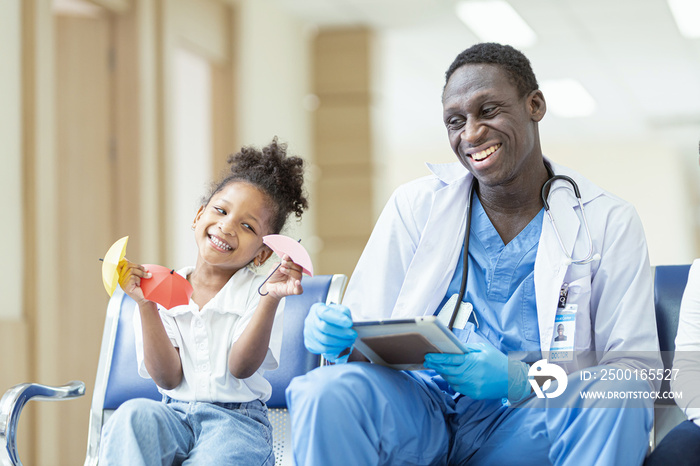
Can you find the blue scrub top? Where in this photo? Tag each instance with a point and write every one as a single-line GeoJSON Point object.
{"type": "Point", "coordinates": [500, 286]}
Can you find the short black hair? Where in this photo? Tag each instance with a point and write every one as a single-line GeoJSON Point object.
{"type": "Point", "coordinates": [513, 62]}
{"type": "Point", "coordinates": [275, 174]}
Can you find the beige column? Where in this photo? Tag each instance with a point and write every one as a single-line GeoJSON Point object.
{"type": "Point", "coordinates": [342, 140]}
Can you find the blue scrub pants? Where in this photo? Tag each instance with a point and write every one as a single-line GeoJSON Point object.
{"type": "Point", "coordinates": [361, 413]}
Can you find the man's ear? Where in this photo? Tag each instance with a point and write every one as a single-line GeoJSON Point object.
{"type": "Point", "coordinates": [262, 256]}
{"type": "Point", "coordinates": [536, 105]}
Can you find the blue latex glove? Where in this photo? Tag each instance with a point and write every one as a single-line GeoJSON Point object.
{"type": "Point", "coordinates": [482, 373]}
{"type": "Point", "coordinates": [328, 331]}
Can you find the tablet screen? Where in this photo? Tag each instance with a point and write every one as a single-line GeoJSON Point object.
{"type": "Point", "coordinates": [401, 348]}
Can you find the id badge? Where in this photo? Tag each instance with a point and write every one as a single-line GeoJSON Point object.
{"type": "Point", "coordinates": [562, 347]}
{"type": "Point", "coordinates": [463, 313]}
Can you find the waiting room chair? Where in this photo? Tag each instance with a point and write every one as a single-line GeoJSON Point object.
{"type": "Point", "coordinates": [117, 377]}
{"type": "Point", "coordinates": [669, 284]}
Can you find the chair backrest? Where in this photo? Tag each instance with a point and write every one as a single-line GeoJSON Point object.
{"type": "Point", "coordinates": [118, 380]}
{"type": "Point", "coordinates": [295, 359]}
{"type": "Point", "coordinates": [669, 284]}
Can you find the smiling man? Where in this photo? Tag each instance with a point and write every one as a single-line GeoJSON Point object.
{"type": "Point", "coordinates": [485, 215]}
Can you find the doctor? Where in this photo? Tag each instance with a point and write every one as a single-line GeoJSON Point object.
{"type": "Point", "coordinates": [478, 408]}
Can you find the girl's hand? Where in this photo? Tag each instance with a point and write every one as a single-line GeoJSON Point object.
{"type": "Point", "coordinates": [285, 281]}
{"type": "Point", "coordinates": [130, 276]}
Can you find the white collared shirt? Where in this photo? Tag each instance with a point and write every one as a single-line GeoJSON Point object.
{"type": "Point", "coordinates": [686, 360]}
{"type": "Point", "coordinates": [204, 338]}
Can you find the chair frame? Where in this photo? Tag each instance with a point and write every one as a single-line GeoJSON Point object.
{"type": "Point", "coordinates": [104, 365]}
{"type": "Point", "coordinates": [11, 406]}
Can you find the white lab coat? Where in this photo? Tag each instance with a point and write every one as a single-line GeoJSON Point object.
{"type": "Point", "coordinates": [412, 253]}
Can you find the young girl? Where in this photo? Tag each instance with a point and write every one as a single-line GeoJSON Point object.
{"type": "Point", "coordinates": [208, 357]}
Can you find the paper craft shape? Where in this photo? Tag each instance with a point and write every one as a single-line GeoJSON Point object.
{"type": "Point", "coordinates": [116, 253]}
{"type": "Point", "coordinates": [282, 245]}
{"type": "Point", "coordinates": [166, 287]}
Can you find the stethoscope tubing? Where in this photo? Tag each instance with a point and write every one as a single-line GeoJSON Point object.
{"type": "Point", "coordinates": [465, 260]}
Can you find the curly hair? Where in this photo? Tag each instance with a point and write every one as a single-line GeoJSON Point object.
{"type": "Point", "coordinates": [513, 62]}
{"type": "Point", "coordinates": [280, 177]}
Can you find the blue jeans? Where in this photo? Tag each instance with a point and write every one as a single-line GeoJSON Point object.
{"type": "Point", "coordinates": [146, 432]}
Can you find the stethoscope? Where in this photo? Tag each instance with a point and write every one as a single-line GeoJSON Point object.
{"type": "Point", "coordinates": [544, 193]}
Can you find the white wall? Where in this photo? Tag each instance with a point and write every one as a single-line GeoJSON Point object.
{"type": "Point", "coordinates": [407, 120]}
{"type": "Point", "coordinates": [192, 162]}
{"type": "Point", "coordinates": [275, 49]}
{"type": "Point", "coordinates": [651, 175]}
{"type": "Point", "coordinates": [11, 237]}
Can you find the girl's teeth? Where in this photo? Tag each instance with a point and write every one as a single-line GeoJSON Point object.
{"type": "Point", "coordinates": [220, 244]}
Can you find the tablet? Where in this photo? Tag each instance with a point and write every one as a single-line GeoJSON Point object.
{"type": "Point", "coordinates": [403, 343]}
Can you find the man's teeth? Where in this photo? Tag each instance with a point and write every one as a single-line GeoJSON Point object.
{"type": "Point", "coordinates": [485, 153]}
{"type": "Point", "coordinates": [220, 244]}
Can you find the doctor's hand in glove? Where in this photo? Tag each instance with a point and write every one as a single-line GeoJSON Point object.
{"type": "Point", "coordinates": [328, 331]}
{"type": "Point", "coordinates": [481, 373]}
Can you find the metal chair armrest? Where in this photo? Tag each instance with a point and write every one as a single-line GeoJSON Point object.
{"type": "Point", "coordinates": [11, 406]}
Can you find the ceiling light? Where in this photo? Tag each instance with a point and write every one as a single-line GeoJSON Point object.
{"type": "Point", "coordinates": [567, 98]}
{"type": "Point", "coordinates": [496, 21]}
{"type": "Point", "coordinates": [686, 14]}
{"type": "Point", "coordinates": [80, 8]}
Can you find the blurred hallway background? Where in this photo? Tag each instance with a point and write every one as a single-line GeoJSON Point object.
{"type": "Point", "coordinates": [116, 114]}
